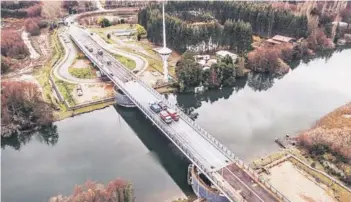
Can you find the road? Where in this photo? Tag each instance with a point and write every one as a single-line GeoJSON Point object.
{"type": "Point", "coordinates": [141, 63]}
{"type": "Point", "coordinates": [61, 70]}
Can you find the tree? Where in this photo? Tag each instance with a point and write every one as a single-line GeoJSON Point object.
{"type": "Point", "coordinates": [31, 26]}
{"type": "Point", "coordinates": [22, 107]}
{"type": "Point", "coordinates": [116, 191]}
{"type": "Point", "coordinates": [12, 44]}
{"type": "Point", "coordinates": [103, 22]}
{"type": "Point", "coordinates": [140, 31]}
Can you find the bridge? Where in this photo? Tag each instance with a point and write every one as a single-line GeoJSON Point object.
{"type": "Point", "coordinates": [229, 174]}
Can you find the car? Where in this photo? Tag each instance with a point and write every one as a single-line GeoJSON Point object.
{"type": "Point", "coordinates": [166, 117]}
{"type": "Point", "coordinates": [108, 62]}
{"type": "Point", "coordinates": [162, 105]}
{"type": "Point", "coordinates": [79, 92]}
{"type": "Point", "coordinates": [91, 33]}
{"type": "Point", "coordinates": [173, 114]}
{"type": "Point", "coordinates": [155, 108]}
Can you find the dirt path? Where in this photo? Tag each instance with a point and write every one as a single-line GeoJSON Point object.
{"type": "Point", "coordinates": [33, 54]}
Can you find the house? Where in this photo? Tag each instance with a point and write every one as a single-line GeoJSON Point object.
{"type": "Point", "coordinates": [202, 57]}
{"type": "Point", "coordinates": [222, 54]}
{"type": "Point", "coordinates": [279, 39]}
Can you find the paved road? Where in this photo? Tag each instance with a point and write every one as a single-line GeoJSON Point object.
{"type": "Point", "coordinates": [141, 63]}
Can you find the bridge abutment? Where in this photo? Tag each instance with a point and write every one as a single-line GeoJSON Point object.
{"type": "Point", "coordinates": [122, 99]}
{"type": "Point", "coordinates": [202, 187]}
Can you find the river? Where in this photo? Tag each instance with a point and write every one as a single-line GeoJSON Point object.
{"type": "Point", "coordinates": [120, 143]}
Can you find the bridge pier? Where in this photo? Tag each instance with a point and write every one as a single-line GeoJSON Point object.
{"type": "Point", "coordinates": [202, 187]}
{"type": "Point", "coordinates": [122, 99]}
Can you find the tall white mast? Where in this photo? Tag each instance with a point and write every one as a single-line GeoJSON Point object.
{"type": "Point", "coordinates": [164, 51]}
{"type": "Point", "coordinates": [164, 24]}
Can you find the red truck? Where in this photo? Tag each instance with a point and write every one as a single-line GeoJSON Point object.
{"type": "Point", "coordinates": [166, 117]}
{"type": "Point", "coordinates": [173, 114]}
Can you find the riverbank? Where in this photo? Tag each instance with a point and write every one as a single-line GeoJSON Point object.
{"type": "Point", "coordinates": [321, 155]}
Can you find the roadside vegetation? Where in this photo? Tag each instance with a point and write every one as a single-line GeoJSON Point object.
{"type": "Point", "coordinates": [115, 191]}
{"type": "Point", "coordinates": [83, 73]}
{"type": "Point", "coordinates": [66, 90]}
{"type": "Point", "coordinates": [129, 63]}
{"type": "Point", "coordinates": [43, 74]}
{"type": "Point", "coordinates": [329, 142]}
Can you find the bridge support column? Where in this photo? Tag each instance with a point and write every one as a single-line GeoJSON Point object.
{"type": "Point", "coordinates": [202, 186]}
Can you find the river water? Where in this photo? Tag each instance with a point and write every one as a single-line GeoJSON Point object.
{"type": "Point", "coordinates": [120, 143]}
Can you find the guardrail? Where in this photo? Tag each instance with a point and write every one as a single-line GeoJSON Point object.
{"type": "Point", "coordinates": [187, 119]}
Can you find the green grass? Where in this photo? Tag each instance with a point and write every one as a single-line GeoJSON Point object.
{"type": "Point", "coordinates": [42, 74]}
{"type": "Point", "coordinates": [82, 73]}
{"type": "Point", "coordinates": [130, 64]}
{"type": "Point", "coordinates": [65, 114]}
{"type": "Point", "coordinates": [66, 90]}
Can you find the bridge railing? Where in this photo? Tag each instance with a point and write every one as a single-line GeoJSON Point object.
{"type": "Point", "coordinates": [177, 140]}
{"type": "Point", "coordinates": [199, 129]}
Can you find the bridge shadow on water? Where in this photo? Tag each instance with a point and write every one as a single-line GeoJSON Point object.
{"type": "Point", "coordinates": [169, 156]}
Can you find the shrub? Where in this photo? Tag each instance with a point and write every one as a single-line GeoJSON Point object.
{"type": "Point", "coordinates": [12, 44]}
{"type": "Point", "coordinates": [104, 22]}
{"type": "Point", "coordinates": [31, 26]}
{"type": "Point", "coordinates": [43, 24]}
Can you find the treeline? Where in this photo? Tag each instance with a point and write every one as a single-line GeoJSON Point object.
{"type": "Point", "coordinates": [22, 107]}
{"type": "Point", "coordinates": [20, 9]}
{"type": "Point", "coordinates": [204, 36]}
{"type": "Point", "coordinates": [190, 74]}
{"type": "Point", "coordinates": [33, 25]}
{"type": "Point", "coordinates": [264, 19]}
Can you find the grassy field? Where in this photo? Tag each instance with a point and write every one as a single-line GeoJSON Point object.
{"type": "Point", "coordinates": [42, 74]}
{"type": "Point", "coordinates": [130, 64]}
{"type": "Point", "coordinates": [65, 114]}
{"type": "Point", "coordinates": [82, 73]}
{"type": "Point", "coordinates": [66, 90]}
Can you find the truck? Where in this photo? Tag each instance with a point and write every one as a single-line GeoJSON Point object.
{"type": "Point", "coordinates": [173, 114]}
{"type": "Point", "coordinates": [166, 117]}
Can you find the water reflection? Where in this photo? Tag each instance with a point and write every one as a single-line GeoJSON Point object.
{"type": "Point", "coordinates": [46, 134]}
{"type": "Point", "coordinates": [260, 81]}
{"type": "Point", "coordinates": [174, 162]}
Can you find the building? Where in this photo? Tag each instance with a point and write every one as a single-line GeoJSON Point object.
{"type": "Point", "coordinates": [222, 54]}
{"type": "Point", "coordinates": [279, 39]}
